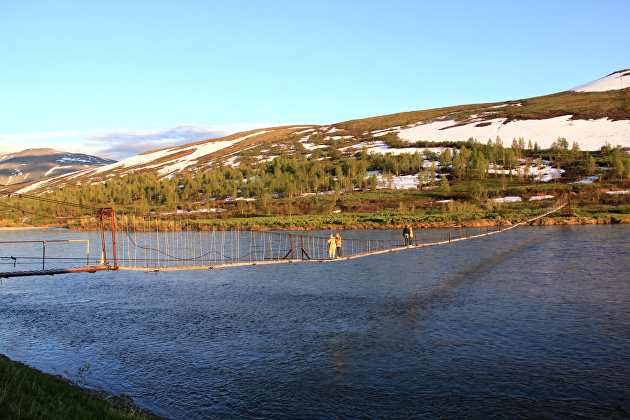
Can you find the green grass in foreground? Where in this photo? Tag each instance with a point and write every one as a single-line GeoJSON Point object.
{"type": "Point", "coordinates": [27, 393]}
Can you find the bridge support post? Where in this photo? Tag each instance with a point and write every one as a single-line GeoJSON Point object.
{"type": "Point", "coordinates": [290, 250]}
{"type": "Point", "coordinates": [302, 248]}
{"type": "Point", "coordinates": [104, 253]}
{"type": "Point", "coordinates": [114, 239]}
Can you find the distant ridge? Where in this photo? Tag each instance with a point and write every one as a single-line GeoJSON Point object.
{"type": "Point", "coordinates": [34, 164]}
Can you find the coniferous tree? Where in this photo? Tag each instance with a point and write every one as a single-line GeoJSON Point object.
{"type": "Point", "coordinates": [445, 158]}
{"type": "Point", "coordinates": [444, 184]}
{"type": "Point", "coordinates": [617, 163]}
{"type": "Point", "coordinates": [590, 165]}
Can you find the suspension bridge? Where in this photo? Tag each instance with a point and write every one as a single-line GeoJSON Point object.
{"type": "Point", "coordinates": [120, 244]}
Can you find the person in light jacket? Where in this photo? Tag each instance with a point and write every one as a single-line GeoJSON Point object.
{"type": "Point", "coordinates": [338, 245]}
{"type": "Point", "coordinates": [332, 246]}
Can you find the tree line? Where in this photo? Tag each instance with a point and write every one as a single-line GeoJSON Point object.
{"type": "Point", "coordinates": [323, 170]}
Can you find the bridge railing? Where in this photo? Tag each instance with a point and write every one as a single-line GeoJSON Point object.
{"type": "Point", "coordinates": [194, 248]}
{"type": "Point", "coordinates": [42, 255]}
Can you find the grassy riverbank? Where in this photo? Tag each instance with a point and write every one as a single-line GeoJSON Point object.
{"type": "Point", "coordinates": [594, 203]}
{"type": "Point", "coordinates": [27, 393]}
{"type": "Point", "coordinates": [398, 209]}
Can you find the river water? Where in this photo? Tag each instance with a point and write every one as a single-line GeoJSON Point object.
{"type": "Point", "coordinates": [534, 322]}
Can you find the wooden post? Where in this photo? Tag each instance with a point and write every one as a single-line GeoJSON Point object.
{"type": "Point", "coordinates": [302, 248]}
{"type": "Point", "coordinates": [114, 239]}
{"type": "Point", "coordinates": [43, 255]}
{"type": "Point", "coordinates": [104, 254]}
{"type": "Point", "coordinates": [291, 240]}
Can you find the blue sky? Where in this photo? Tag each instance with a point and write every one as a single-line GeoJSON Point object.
{"type": "Point", "coordinates": [116, 78]}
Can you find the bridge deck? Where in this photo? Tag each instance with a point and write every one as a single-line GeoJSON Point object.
{"type": "Point", "coordinates": [53, 271]}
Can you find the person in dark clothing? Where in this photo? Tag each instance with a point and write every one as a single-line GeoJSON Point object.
{"type": "Point", "coordinates": [407, 235]}
{"type": "Point", "coordinates": [338, 244]}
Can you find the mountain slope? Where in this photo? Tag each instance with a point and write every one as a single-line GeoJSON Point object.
{"type": "Point", "coordinates": [587, 115]}
{"type": "Point", "coordinates": [33, 164]}
{"type": "Point", "coordinates": [617, 80]}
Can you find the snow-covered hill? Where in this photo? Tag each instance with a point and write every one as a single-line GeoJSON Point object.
{"type": "Point", "coordinates": [590, 134]}
{"type": "Point", "coordinates": [617, 80]}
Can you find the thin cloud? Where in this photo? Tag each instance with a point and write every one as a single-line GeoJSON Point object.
{"type": "Point", "coordinates": [121, 144]}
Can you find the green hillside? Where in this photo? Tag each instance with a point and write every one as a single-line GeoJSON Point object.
{"type": "Point", "coordinates": [614, 105]}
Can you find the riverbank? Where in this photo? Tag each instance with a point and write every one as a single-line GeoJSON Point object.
{"type": "Point", "coordinates": [354, 222]}
{"type": "Point", "coordinates": [586, 210]}
{"type": "Point", "coordinates": [27, 393]}
{"type": "Point", "coordinates": [23, 227]}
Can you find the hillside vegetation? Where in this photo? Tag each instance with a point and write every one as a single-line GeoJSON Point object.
{"type": "Point", "coordinates": [614, 105]}
{"type": "Point", "coordinates": [354, 174]}
{"type": "Point", "coordinates": [325, 188]}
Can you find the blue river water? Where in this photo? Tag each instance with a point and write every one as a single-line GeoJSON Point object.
{"type": "Point", "coordinates": [530, 323]}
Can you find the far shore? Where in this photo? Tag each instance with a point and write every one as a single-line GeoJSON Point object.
{"type": "Point", "coordinates": [225, 224]}
{"type": "Point", "coordinates": [22, 227]}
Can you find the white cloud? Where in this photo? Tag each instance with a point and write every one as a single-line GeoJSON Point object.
{"type": "Point", "coordinates": [121, 144]}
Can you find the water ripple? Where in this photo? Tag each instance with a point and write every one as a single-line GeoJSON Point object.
{"type": "Point", "coordinates": [531, 323]}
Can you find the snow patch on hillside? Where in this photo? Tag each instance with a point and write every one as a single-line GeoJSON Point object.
{"type": "Point", "coordinates": [402, 182]}
{"type": "Point", "coordinates": [589, 134]}
{"type": "Point", "coordinates": [39, 184]}
{"type": "Point", "coordinates": [305, 131]}
{"type": "Point", "coordinates": [67, 159]}
{"type": "Point", "coordinates": [55, 168]}
{"type": "Point", "coordinates": [541, 197]}
{"type": "Point", "coordinates": [511, 199]}
{"type": "Point", "coordinates": [617, 80]}
{"type": "Point", "coordinates": [383, 149]}
{"type": "Point", "coordinates": [197, 152]}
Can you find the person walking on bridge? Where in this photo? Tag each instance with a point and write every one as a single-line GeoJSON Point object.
{"type": "Point", "coordinates": [332, 246]}
{"type": "Point", "coordinates": [406, 235]}
{"type": "Point", "coordinates": [338, 245]}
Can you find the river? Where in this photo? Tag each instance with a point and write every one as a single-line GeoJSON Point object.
{"type": "Point", "coordinates": [534, 322]}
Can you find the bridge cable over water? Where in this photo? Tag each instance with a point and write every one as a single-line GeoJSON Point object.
{"type": "Point", "coordinates": [128, 242]}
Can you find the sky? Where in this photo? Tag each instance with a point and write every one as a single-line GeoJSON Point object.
{"type": "Point", "coordinates": [117, 78]}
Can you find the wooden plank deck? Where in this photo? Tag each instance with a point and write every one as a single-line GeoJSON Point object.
{"type": "Point", "coordinates": [53, 271]}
